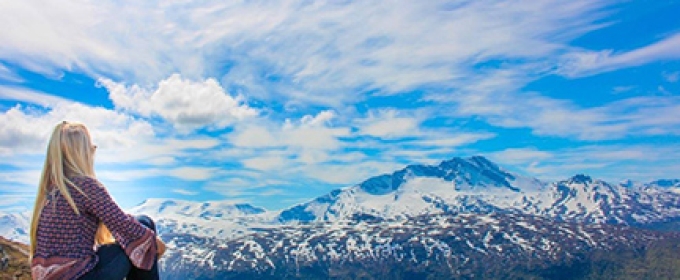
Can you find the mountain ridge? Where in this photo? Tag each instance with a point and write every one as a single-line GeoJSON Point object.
{"type": "Point", "coordinates": [457, 185]}
{"type": "Point", "coordinates": [476, 184]}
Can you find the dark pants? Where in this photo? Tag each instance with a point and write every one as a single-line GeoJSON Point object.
{"type": "Point", "coordinates": [114, 264]}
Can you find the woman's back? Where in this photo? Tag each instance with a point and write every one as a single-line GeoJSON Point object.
{"type": "Point", "coordinates": [62, 232]}
{"type": "Point", "coordinates": [66, 240]}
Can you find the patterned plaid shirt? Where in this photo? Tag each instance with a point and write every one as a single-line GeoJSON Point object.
{"type": "Point", "coordinates": [66, 241]}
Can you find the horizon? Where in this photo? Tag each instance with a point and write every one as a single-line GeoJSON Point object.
{"type": "Point", "coordinates": [622, 183]}
{"type": "Point", "coordinates": [285, 207]}
{"type": "Point", "coordinates": [275, 104]}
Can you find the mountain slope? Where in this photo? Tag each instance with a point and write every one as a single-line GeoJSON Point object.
{"type": "Point", "coordinates": [476, 185]}
{"type": "Point", "coordinates": [207, 219]}
{"type": "Point", "coordinates": [14, 260]}
{"type": "Point", "coordinates": [582, 198]}
{"type": "Point", "coordinates": [15, 226]}
{"type": "Point", "coordinates": [439, 246]}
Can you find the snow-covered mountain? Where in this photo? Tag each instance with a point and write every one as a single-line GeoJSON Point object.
{"type": "Point", "coordinates": [382, 220]}
{"type": "Point", "coordinates": [15, 226]}
{"type": "Point", "coordinates": [205, 210]}
{"type": "Point", "coordinates": [476, 185]}
{"type": "Point", "coordinates": [459, 185]}
{"type": "Point", "coordinates": [440, 246]}
{"type": "Point", "coordinates": [209, 219]}
{"type": "Point", "coordinates": [582, 198]}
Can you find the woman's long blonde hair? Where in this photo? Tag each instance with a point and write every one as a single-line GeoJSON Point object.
{"type": "Point", "coordinates": [70, 153]}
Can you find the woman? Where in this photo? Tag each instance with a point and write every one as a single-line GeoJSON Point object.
{"type": "Point", "coordinates": [74, 215]}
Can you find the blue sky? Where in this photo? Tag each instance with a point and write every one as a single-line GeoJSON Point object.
{"type": "Point", "coordinates": [276, 102]}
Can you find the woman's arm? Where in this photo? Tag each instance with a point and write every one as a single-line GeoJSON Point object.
{"type": "Point", "coordinates": [137, 241]}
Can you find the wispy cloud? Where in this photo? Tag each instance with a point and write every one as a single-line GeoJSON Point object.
{"type": "Point", "coordinates": [622, 89]}
{"type": "Point", "coordinates": [388, 124]}
{"type": "Point", "coordinates": [586, 62]}
{"type": "Point", "coordinates": [520, 155]}
{"type": "Point", "coordinates": [505, 106]}
{"type": "Point", "coordinates": [185, 192]}
{"type": "Point", "coordinates": [8, 75]}
{"type": "Point", "coordinates": [309, 139]}
{"type": "Point", "coordinates": [642, 162]}
{"type": "Point", "coordinates": [14, 93]}
{"type": "Point", "coordinates": [285, 51]}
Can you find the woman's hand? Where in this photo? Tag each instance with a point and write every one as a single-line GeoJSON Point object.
{"type": "Point", "coordinates": [160, 246]}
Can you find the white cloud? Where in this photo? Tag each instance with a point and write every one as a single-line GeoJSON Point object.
{"type": "Point", "coordinates": [191, 173]}
{"type": "Point", "coordinates": [254, 136]}
{"type": "Point", "coordinates": [586, 62]}
{"type": "Point", "coordinates": [27, 129]}
{"type": "Point", "coordinates": [8, 75]}
{"type": "Point", "coordinates": [501, 103]}
{"type": "Point", "coordinates": [451, 139]}
{"type": "Point", "coordinates": [18, 133]}
{"type": "Point", "coordinates": [614, 163]}
{"type": "Point", "coordinates": [185, 104]}
{"type": "Point", "coordinates": [289, 148]}
{"type": "Point", "coordinates": [133, 173]}
{"type": "Point", "coordinates": [313, 132]}
{"type": "Point", "coordinates": [12, 203]}
{"type": "Point", "coordinates": [552, 172]}
{"type": "Point", "coordinates": [159, 151]}
{"type": "Point", "coordinates": [19, 179]}
{"type": "Point", "coordinates": [515, 156]}
{"type": "Point", "coordinates": [235, 186]}
{"type": "Point", "coordinates": [318, 146]}
{"type": "Point", "coordinates": [185, 192]}
{"type": "Point", "coordinates": [126, 145]}
{"type": "Point", "coordinates": [645, 115]}
{"type": "Point", "coordinates": [266, 162]}
{"type": "Point", "coordinates": [33, 97]}
{"type": "Point", "coordinates": [350, 174]}
{"type": "Point", "coordinates": [409, 45]}
{"type": "Point", "coordinates": [127, 175]}
{"type": "Point", "coordinates": [135, 41]}
{"type": "Point", "coordinates": [292, 51]}
{"type": "Point", "coordinates": [388, 124]}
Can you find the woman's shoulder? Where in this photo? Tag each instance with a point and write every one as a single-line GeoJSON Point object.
{"type": "Point", "coordinates": [86, 182]}
{"type": "Point", "coordinates": [82, 179]}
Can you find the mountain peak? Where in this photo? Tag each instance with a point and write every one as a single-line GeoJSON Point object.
{"type": "Point", "coordinates": [479, 162]}
{"type": "Point", "coordinates": [482, 161]}
{"type": "Point", "coordinates": [580, 179]}
{"type": "Point", "coordinates": [469, 172]}
{"type": "Point", "coordinates": [454, 163]}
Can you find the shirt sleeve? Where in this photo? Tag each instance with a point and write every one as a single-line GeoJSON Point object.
{"type": "Point", "coordinates": [138, 241]}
